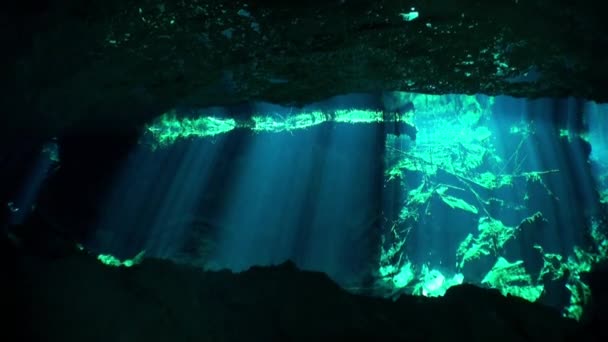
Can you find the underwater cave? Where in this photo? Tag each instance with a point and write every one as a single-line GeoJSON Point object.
{"type": "Point", "coordinates": [303, 172]}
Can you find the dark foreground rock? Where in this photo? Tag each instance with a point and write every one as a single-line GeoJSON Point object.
{"type": "Point", "coordinates": [73, 297]}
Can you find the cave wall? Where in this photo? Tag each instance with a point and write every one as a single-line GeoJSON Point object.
{"type": "Point", "coordinates": [111, 65]}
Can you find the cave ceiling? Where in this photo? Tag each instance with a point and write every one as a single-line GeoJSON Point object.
{"type": "Point", "coordinates": [110, 65]}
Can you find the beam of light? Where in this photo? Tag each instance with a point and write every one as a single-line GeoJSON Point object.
{"type": "Point", "coordinates": [294, 197]}
{"type": "Point", "coordinates": [155, 203]}
{"type": "Point", "coordinates": [488, 194]}
{"type": "Point", "coordinates": [46, 163]}
{"type": "Point", "coordinates": [344, 212]}
{"type": "Point", "coordinates": [266, 200]}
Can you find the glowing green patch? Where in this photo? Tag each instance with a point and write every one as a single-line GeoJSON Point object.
{"type": "Point", "coordinates": [604, 197]}
{"type": "Point", "coordinates": [470, 249]}
{"type": "Point", "coordinates": [580, 294]}
{"type": "Point", "coordinates": [432, 283]}
{"type": "Point", "coordinates": [389, 270]}
{"type": "Point", "coordinates": [454, 141]}
{"type": "Point", "coordinates": [110, 260]}
{"type": "Point", "coordinates": [580, 261]}
{"type": "Point", "coordinates": [355, 116]}
{"type": "Point", "coordinates": [268, 124]}
{"type": "Point", "coordinates": [600, 239]}
{"type": "Point", "coordinates": [493, 234]}
{"type": "Point", "coordinates": [454, 202]}
{"type": "Point", "coordinates": [450, 137]}
{"type": "Point", "coordinates": [409, 16]}
{"type": "Point", "coordinates": [481, 133]}
{"type": "Point", "coordinates": [533, 176]}
{"type": "Point", "coordinates": [411, 163]}
{"type": "Point", "coordinates": [489, 180]}
{"type": "Point", "coordinates": [511, 278]}
{"type": "Point", "coordinates": [51, 151]}
{"type": "Point", "coordinates": [168, 128]}
{"type": "Point", "coordinates": [523, 128]}
{"type": "Point", "coordinates": [552, 264]}
{"type": "Point", "coordinates": [404, 277]}
{"type": "Point", "coordinates": [416, 198]}
{"type": "Point", "coordinates": [275, 124]}
{"type": "Point", "coordinates": [530, 293]}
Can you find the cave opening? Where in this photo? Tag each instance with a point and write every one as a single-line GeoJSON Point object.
{"type": "Point", "coordinates": [388, 194]}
